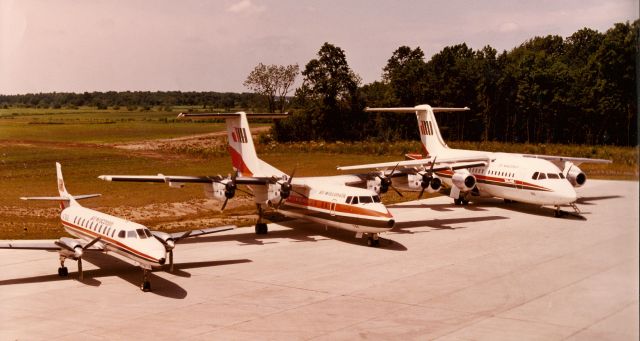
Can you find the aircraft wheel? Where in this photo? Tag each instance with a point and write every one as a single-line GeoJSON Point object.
{"type": "Point", "coordinates": [464, 202]}
{"type": "Point", "coordinates": [457, 202]}
{"type": "Point", "coordinates": [63, 271]}
{"type": "Point", "coordinates": [373, 242]}
{"type": "Point", "coordinates": [146, 286]}
{"type": "Point", "coordinates": [261, 228]}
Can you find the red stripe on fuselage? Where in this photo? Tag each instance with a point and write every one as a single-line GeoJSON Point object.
{"type": "Point", "coordinates": [109, 240]}
{"type": "Point", "coordinates": [342, 208]}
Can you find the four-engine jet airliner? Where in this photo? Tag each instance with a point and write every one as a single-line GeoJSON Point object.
{"type": "Point", "coordinates": [97, 231]}
{"type": "Point", "coordinates": [325, 200]}
{"type": "Point", "coordinates": [536, 179]}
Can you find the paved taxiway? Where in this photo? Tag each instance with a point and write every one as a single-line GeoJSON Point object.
{"type": "Point", "coordinates": [489, 271]}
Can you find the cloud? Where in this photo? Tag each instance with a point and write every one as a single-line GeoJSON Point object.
{"type": "Point", "coordinates": [246, 6]}
{"type": "Point", "coordinates": [508, 27]}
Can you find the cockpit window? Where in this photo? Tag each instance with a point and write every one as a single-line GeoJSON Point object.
{"type": "Point", "coordinates": [552, 176]}
{"type": "Point", "coordinates": [376, 198]}
{"type": "Point", "coordinates": [561, 175]}
{"type": "Point", "coordinates": [542, 176]}
{"type": "Point", "coordinates": [535, 176]}
{"type": "Point", "coordinates": [348, 201]}
{"type": "Point", "coordinates": [355, 200]}
{"type": "Point", "coordinates": [148, 233]}
{"type": "Point", "coordinates": [131, 234]}
{"type": "Point", "coordinates": [366, 200]}
{"type": "Point", "coordinates": [121, 234]}
{"type": "Point", "coordinates": [141, 234]}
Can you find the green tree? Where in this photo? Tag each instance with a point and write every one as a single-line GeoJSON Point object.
{"type": "Point", "coordinates": [274, 82]}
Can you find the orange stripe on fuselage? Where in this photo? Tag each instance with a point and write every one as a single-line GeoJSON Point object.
{"type": "Point", "coordinates": [109, 240]}
{"type": "Point", "coordinates": [342, 208]}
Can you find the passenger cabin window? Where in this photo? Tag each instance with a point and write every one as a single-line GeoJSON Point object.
{"type": "Point", "coordinates": [376, 198]}
{"type": "Point", "coordinates": [131, 234]}
{"type": "Point", "coordinates": [552, 176]}
{"type": "Point", "coordinates": [121, 234]}
{"type": "Point", "coordinates": [365, 200]}
{"type": "Point", "coordinates": [141, 234]}
{"type": "Point", "coordinates": [113, 232]}
{"type": "Point", "coordinates": [348, 201]}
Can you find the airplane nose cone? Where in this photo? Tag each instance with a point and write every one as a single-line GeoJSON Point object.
{"type": "Point", "coordinates": [161, 260]}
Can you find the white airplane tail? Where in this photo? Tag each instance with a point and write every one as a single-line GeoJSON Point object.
{"type": "Point", "coordinates": [65, 198]}
{"type": "Point", "coordinates": [432, 142]}
{"type": "Point", "coordinates": [242, 150]}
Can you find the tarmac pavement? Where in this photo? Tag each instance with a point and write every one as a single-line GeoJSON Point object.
{"type": "Point", "coordinates": [487, 271]}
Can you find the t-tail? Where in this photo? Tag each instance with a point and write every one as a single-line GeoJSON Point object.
{"type": "Point", "coordinates": [65, 198]}
{"type": "Point", "coordinates": [432, 142]}
{"type": "Point", "coordinates": [241, 148]}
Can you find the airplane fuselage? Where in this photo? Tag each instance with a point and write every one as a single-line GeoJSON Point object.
{"type": "Point", "coordinates": [129, 239]}
{"type": "Point", "coordinates": [348, 208]}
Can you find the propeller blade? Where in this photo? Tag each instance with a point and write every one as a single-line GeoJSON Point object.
{"type": "Point", "coordinates": [91, 243]}
{"type": "Point", "coordinates": [224, 204]}
{"type": "Point", "coordinates": [433, 163]}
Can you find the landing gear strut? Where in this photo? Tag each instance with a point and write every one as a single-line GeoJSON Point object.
{"type": "Point", "coordinates": [373, 240]}
{"type": "Point", "coordinates": [146, 285]}
{"type": "Point", "coordinates": [261, 228]}
{"type": "Point", "coordinates": [62, 270]}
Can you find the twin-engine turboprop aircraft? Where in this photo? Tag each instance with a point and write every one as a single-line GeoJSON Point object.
{"type": "Point", "coordinates": [97, 231]}
{"type": "Point", "coordinates": [324, 200]}
{"type": "Point", "coordinates": [536, 179]}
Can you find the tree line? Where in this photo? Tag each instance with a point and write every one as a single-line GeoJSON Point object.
{"type": "Point", "coordinates": [578, 90]}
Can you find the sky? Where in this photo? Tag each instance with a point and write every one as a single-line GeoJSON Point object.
{"type": "Point", "coordinates": [93, 45]}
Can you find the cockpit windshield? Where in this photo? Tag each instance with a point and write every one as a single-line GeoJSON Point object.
{"type": "Point", "coordinates": [141, 233]}
{"type": "Point", "coordinates": [366, 200]}
{"type": "Point", "coordinates": [542, 176]}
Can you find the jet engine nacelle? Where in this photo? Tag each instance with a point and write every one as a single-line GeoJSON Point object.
{"type": "Point", "coordinates": [434, 186]}
{"type": "Point", "coordinates": [165, 239]}
{"type": "Point", "coordinates": [576, 176]}
{"type": "Point", "coordinates": [70, 247]}
{"type": "Point", "coordinates": [464, 180]}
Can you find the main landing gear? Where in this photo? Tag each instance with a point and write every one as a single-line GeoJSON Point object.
{"type": "Point", "coordinates": [461, 201]}
{"type": "Point", "coordinates": [261, 228]}
{"type": "Point", "coordinates": [63, 271]}
{"type": "Point", "coordinates": [560, 213]}
{"type": "Point", "coordinates": [146, 285]}
{"type": "Point", "coordinates": [373, 240]}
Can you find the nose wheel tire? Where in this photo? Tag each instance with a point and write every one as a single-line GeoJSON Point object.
{"type": "Point", "coordinates": [373, 242]}
{"type": "Point", "coordinates": [261, 228]}
{"type": "Point", "coordinates": [63, 271]}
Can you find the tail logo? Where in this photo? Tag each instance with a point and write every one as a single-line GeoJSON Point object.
{"type": "Point", "coordinates": [61, 185]}
{"type": "Point", "coordinates": [239, 135]}
{"type": "Point", "coordinates": [426, 128]}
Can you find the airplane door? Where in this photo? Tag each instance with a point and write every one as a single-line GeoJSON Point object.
{"type": "Point", "coordinates": [333, 208]}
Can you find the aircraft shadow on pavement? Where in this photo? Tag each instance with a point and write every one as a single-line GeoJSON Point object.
{"type": "Point", "coordinates": [112, 266]}
{"type": "Point", "coordinates": [441, 224]}
{"type": "Point", "coordinates": [588, 200]}
{"type": "Point", "coordinates": [298, 231]}
{"type": "Point", "coordinates": [441, 207]}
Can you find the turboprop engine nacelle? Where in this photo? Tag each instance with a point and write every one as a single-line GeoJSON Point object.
{"type": "Point", "coordinates": [273, 192]}
{"type": "Point", "coordinates": [576, 176]}
{"type": "Point", "coordinates": [165, 239]}
{"type": "Point", "coordinates": [374, 185]}
{"type": "Point", "coordinates": [464, 180]}
{"type": "Point", "coordinates": [419, 180]}
{"type": "Point", "coordinates": [70, 247]}
{"type": "Point", "coordinates": [222, 190]}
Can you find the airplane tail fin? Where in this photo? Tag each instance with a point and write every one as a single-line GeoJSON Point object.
{"type": "Point", "coordinates": [240, 144]}
{"type": "Point", "coordinates": [65, 198]}
{"type": "Point", "coordinates": [432, 142]}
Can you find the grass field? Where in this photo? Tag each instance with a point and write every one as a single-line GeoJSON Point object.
{"type": "Point", "coordinates": [86, 141]}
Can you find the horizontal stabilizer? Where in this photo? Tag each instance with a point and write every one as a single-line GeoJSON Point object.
{"type": "Point", "coordinates": [414, 109]}
{"type": "Point", "coordinates": [233, 115]}
{"type": "Point", "coordinates": [76, 197]}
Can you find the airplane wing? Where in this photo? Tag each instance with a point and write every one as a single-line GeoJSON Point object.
{"type": "Point", "coordinates": [180, 179]}
{"type": "Point", "coordinates": [575, 160]}
{"type": "Point", "coordinates": [77, 197]}
{"type": "Point", "coordinates": [177, 236]}
{"type": "Point", "coordinates": [41, 245]}
{"type": "Point", "coordinates": [452, 163]}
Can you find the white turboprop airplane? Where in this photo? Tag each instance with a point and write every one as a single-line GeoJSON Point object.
{"type": "Point", "coordinates": [97, 231]}
{"type": "Point", "coordinates": [325, 200]}
{"type": "Point", "coordinates": [536, 179]}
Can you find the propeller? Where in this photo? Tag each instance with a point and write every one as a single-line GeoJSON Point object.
{"type": "Point", "coordinates": [80, 273]}
{"type": "Point", "coordinates": [285, 189]}
{"type": "Point", "coordinates": [386, 183]}
{"type": "Point", "coordinates": [427, 177]}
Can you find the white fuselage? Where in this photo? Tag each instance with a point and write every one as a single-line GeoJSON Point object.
{"type": "Point", "coordinates": [348, 208]}
{"type": "Point", "coordinates": [511, 176]}
{"type": "Point", "coordinates": [129, 239]}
